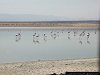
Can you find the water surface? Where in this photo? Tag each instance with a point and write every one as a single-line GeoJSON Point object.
{"type": "Point", "coordinates": [29, 44]}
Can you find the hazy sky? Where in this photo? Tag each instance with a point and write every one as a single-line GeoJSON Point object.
{"type": "Point", "coordinates": [84, 9]}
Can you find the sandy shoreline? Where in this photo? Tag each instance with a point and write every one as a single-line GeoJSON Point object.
{"type": "Point", "coordinates": [50, 66]}
{"type": "Point", "coordinates": [51, 24]}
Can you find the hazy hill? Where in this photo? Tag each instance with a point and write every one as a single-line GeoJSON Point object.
{"type": "Point", "coordinates": [39, 18]}
{"type": "Point", "coordinates": [28, 17]}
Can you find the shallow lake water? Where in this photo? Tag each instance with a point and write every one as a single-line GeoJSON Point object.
{"type": "Point", "coordinates": [30, 44]}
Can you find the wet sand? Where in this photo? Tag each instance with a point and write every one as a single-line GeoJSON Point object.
{"type": "Point", "coordinates": [43, 67]}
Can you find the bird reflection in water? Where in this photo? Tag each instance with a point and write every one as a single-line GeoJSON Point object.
{"type": "Point", "coordinates": [80, 37]}
{"type": "Point", "coordinates": [75, 33]}
{"type": "Point", "coordinates": [80, 42]}
{"type": "Point", "coordinates": [88, 41]}
{"type": "Point", "coordinates": [95, 32]}
{"type": "Point", "coordinates": [36, 41]}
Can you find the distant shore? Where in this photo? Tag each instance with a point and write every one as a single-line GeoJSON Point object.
{"type": "Point", "coordinates": [44, 67]}
{"type": "Point", "coordinates": [51, 24]}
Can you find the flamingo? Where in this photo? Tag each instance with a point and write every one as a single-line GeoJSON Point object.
{"type": "Point", "coordinates": [88, 35]}
{"type": "Point", "coordinates": [45, 35]}
{"type": "Point", "coordinates": [37, 35]}
{"type": "Point", "coordinates": [69, 32]}
{"type": "Point", "coordinates": [18, 34]}
{"type": "Point", "coordinates": [34, 34]}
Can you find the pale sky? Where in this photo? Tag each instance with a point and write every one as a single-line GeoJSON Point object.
{"type": "Point", "coordinates": [84, 9]}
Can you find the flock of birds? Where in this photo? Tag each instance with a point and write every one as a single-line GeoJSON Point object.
{"type": "Point", "coordinates": [55, 34]}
